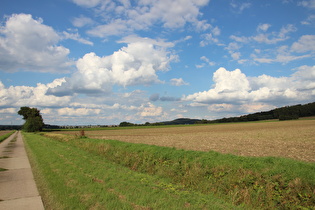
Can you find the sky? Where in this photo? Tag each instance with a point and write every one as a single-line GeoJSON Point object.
{"type": "Point", "coordinates": [102, 62]}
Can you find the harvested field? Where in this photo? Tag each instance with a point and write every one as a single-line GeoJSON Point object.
{"type": "Point", "coordinates": [291, 139]}
{"type": "Point", "coordinates": [4, 132]}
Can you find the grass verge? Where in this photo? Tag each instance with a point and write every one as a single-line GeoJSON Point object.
{"type": "Point", "coordinates": [267, 183]}
{"type": "Point", "coordinates": [5, 136]}
{"type": "Point", "coordinates": [72, 177]}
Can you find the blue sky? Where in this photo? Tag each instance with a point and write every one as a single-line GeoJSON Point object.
{"type": "Point", "coordinates": [104, 62]}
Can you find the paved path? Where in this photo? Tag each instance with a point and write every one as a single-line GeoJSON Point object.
{"type": "Point", "coordinates": [18, 190]}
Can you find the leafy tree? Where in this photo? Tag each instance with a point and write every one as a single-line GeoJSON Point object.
{"type": "Point", "coordinates": [33, 119]}
{"type": "Point", "coordinates": [126, 124]}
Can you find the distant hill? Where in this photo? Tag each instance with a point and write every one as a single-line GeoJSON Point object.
{"type": "Point", "coordinates": [182, 121]}
{"type": "Point", "coordinates": [283, 113]}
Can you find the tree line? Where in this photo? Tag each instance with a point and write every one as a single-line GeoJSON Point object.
{"type": "Point", "coordinates": [283, 113]}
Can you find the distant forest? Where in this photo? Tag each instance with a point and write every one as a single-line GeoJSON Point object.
{"type": "Point", "coordinates": [283, 113]}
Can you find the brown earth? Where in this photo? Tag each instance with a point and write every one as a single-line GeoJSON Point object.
{"type": "Point", "coordinates": [5, 132]}
{"type": "Point", "coordinates": [291, 139]}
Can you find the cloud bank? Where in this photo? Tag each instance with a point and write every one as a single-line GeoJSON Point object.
{"type": "Point", "coordinates": [234, 87]}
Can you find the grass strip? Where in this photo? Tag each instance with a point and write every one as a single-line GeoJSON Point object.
{"type": "Point", "coordinates": [5, 136]}
{"type": "Point", "coordinates": [267, 183]}
{"type": "Point", "coordinates": [70, 177]}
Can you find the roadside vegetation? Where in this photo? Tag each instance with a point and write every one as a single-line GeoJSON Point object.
{"type": "Point", "coordinates": [5, 134]}
{"type": "Point", "coordinates": [81, 173]}
{"type": "Point", "coordinates": [72, 177]}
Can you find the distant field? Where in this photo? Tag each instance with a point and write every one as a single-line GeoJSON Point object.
{"type": "Point", "coordinates": [5, 132]}
{"type": "Point", "coordinates": [291, 139]}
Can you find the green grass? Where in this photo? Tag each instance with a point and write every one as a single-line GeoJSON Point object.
{"type": "Point", "coordinates": [258, 182]}
{"type": "Point", "coordinates": [5, 136]}
{"type": "Point", "coordinates": [72, 177]}
{"type": "Point", "coordinates": [167, 178]}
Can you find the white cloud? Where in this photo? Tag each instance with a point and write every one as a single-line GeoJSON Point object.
{"type": "Point", "coordinates": [144, 14]}
{"type": "Point", "coordinates": [76, 37]}
{"type": "Point", "coordinates": [240, 39]}
{"type": "Point", "coordinates": [267, 38]}
{"type": "Point", "coordinates": [30, 45]}
{"type": "Point", "coordinates": [134, 64]}
{"type": "Point", "coordinates": [87, 3]}
{"type": "Point", "coordinates": [275, 36]}
{"type": "Point", "coordinates": [221, 107]}
{"type": "Point", "coordinates": [310, 20]}
{"type": "Point", "coordinates": [150, 110]}
{"type": "Point", "coordinates": [263, 27]}
{"type": "Point", "coordinates": [78, 112]}
{"type": "Point", "coordinates": [236, 55]}
{"type": "Point", "coordinates": [205, 59]}
{"type": "Point", "coordinates": [239, 7]}
{"type": "Point", "coordinates": [8, 111]}
{"type": "Point", "coordinates": [17, 96]}
{"type": "Point", "coordinates": [82, 21]}
{"type": "Point", "coordinates": [308, 3]}
{"type": "Point", "coordinates": [234, 87]}
{"type": "Point", "coordinates": [116, 27]}
{"type": "Point", "coordinates": [284, 54]}
{"type": "Point", "coordinates": [208, 39]}
{"type": "Point", "coordinates": [178, 82]}
{"type": "Point", "coordinates": [304, 44]}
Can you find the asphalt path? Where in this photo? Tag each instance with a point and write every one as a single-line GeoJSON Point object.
{"type": "Point", "coordinates": [18, 190]}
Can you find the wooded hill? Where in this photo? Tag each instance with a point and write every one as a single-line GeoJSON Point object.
{"type": "Point", "coordinates": [283, 113]}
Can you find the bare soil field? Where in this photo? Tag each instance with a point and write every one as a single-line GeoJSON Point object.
{"type": "Point", "coordinates": [291, 139]}
{"type": "Point", "coordinates": [5, 132]}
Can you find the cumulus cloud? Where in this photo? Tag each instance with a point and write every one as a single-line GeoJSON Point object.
{"type": "Point", "coordinates": [234, 87]}
{"type": "Point", "coordinates": [150, 110]}
{"type": "Point", "coordinates": [17, 96]}
{"type": "Point", "coordinates": [28, 44]}
{"type": "Point", "coordinates": [134, 64]}
{"type": "Point", "coordinates": [144, 14]}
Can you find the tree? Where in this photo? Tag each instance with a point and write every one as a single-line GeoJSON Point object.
{"type": "Point", "coordinates": [33, 119]}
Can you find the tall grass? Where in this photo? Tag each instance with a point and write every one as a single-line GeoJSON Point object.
{"type": "Point", "coordinates": [268, 183]}
{"type": "Point", "coordinates": [71, 177]}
